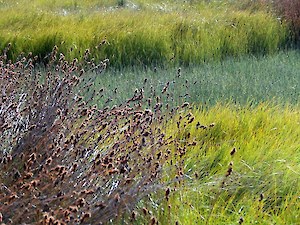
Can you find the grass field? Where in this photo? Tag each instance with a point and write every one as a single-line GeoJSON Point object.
{"type": "Point", "coordinates": [194, 120]}
{"type": "Point", "coordinates": [247, 80]}
{"type": "Point", "coordinates": [139, 33]}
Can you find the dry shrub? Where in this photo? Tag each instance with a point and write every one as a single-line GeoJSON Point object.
{"type": "Point", "coordinates": [290, 11]}
{"type": "Point", "coordinates": [64, 161]}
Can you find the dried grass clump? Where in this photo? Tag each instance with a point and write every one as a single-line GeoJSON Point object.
{"type": "Point", "coordinates": [64, 161]}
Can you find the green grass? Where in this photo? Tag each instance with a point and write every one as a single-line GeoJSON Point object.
{"type": "Point", "coordinates": [239, 80]}
{"type": "Point", "coordinates": [141, 33]}
{"type": "Point", "coordinates": [266, 162]}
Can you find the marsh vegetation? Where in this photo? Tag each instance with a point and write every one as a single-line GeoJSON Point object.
{"type": "Point", "coordinates": [149, 112]}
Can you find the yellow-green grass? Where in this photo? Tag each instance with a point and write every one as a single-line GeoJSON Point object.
{"type": "Point", "coordinates": [142, 34]}
{"type": "Point", "coordinates": [263, 187]}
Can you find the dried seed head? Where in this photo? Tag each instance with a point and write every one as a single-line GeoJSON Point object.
{"type": "Point", "coordinates": [80, 202]}
{"type": "Point", "coordinates": [212, 125]}
{"type": "Point", "coordinates": [241, 220]}
{"type": "Point", "coordinates": [191, 120]}
{"type": "Point", "coordinates": [229, 171]}
{"type": "Point", "coordinates": [48, 161]}
{"type": "Point", "coordinates": [153, 221]}
{"type": "Point", "coordinates": [17, 174]}
{"type": "Point", "coordinates": [185, 104]}
{"type": "Point", "coordinates": [133, 215]}
{"type": "Point", "coordinates": [85, 216]}
{"type": "Point", "coordinates": [73, 209]}
{"type": "Point", "coordinates": [233, 151]}
{"type": "Point", "coordinates": [167, 193]}
{"type": "Point", "coordinates": [261, 197]}
{"type": "Point", "coordinates": [145, 211]}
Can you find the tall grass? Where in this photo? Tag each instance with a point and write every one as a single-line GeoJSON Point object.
{"type": "Point", "coordinates": [240, 80]}
{"type": "Point", "coordinates": [245, 171]}
{"type": "Point", "coordinates": [286, 10]}
{"type": "Point", "coordinates": [188, 34]}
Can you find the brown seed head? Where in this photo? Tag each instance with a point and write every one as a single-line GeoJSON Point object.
{"type": "Point", "coordinates": [153, 221]}
{"type": "Point", "coordinates": [133, 215]}
{"type": "Point", "coordinates": [233, 151]}
{"type": "Point", "coordinates": [185, 104]}
{"type": "Point", "coordinates": [145, 211]}
{"type": "Point", "coordinates": [241, 220]}
{"type": "Point", "coordinates": [261, 197]}
{"type": "Point", "coordinates": [167, 193]}
{"type": "Point", "coordinates": [80, 202]}
{"type": "Point", "coordinates": [85, 216]}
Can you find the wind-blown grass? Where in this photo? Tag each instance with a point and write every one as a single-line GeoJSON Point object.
{"type": "Point", "coordinates": [263, 182]}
